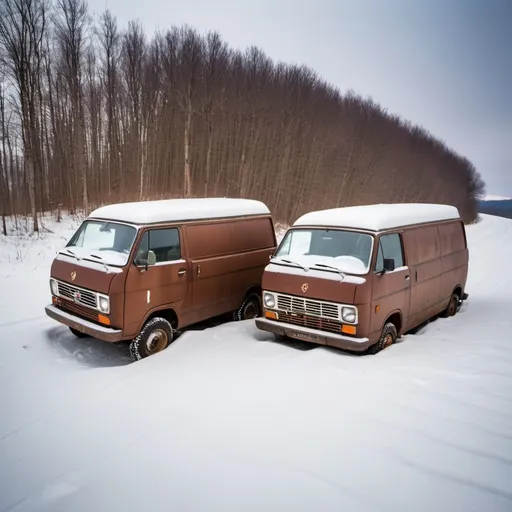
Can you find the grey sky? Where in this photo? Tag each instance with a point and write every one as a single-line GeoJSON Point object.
{"type": "Point", "coordinates": [443, 64]}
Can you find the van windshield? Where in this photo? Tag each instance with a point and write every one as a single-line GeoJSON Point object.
{"type": "Point", "coordinates": [102, 241]}
{"type": "Point", "coordinates": [327, 249]}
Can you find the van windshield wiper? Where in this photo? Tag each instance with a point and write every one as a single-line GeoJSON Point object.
{"type": "Point", "coordinates": [105, 266]}
{"type": "Point", "coordinates": [72, 253]}
{"type": "Point", "coordinates": [294, 263]}
{"type": "Point", "coordinates": [340, 272]}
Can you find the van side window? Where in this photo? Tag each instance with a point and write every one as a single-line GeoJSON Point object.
{"type": "Point", "coordinates": [165, 243]}
{"type": "Point", "coordinates": [390, 246]}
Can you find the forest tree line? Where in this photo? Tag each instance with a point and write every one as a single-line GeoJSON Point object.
{"type": "Point", "coordinates": [92, 114]}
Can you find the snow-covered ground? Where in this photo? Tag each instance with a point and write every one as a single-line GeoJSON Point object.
{"type": "Point", "coordinates": [227, 420]}
{"type": "Point", "coordinates": [494, 197]}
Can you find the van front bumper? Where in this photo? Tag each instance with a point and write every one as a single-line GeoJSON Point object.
{"type": "Point", "coordinates": [312, 335]}
{"type": "Point", "coordinates": [81, 325]}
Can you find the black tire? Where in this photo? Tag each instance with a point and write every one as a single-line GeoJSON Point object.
{"type": "Point", "coordinates": [453, 306]}
{"type": "Point", "coordinates": [387, 338]}
{"type": "Point", "coordinates": [156, 335]}
{"type": "Point", "coordinates": [250, 308]}
{"type": "Point", "coordinates": [78, 334]}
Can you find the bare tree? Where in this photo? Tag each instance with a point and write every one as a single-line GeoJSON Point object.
{"type": "Point", "coordinates": [109, 37]}
{"type": "Point", "coordinates": [133, 57]}
{"type": "Point", "coordinates": [22, 26]}
{"type": "Point", "coordinates": [89, 120]}
{"type": "Point", "coordinates": [190, 67]}
{"type": "Point", "coordinates": [216, 60]}
{"type": "Point", "coordinates": [71, 24]}
{"type": "Point", "coordinates": [5, 195]}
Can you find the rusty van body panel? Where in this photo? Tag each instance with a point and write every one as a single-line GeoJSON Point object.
{"type": "Point", "coordinates": [209, 254]}
{"type": "Point", "coordinates": [307, 290]}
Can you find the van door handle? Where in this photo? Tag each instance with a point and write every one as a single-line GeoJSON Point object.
{"type": "Point", "coordinates": [407, 278]}
{"type": "Point", "coordinates": [198, 269]}
{"type": "Point", "coordinates": [182, 271]}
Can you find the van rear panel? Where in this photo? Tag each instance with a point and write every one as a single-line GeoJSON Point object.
{"type": "Point", "coordinates": [438, 259]}
{"type": "Point", "coordinates": [455, 257]}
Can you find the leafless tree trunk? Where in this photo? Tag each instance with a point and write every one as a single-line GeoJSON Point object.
{"type": "Point", "coordinates": [109, 37]}
{"type": "Point", "coordinates": [71, 26]}
{"type": "Point", "coordinates": [216, 57]}
{"type": "Point", "coordinates": [5, 196]}
{"type": "Point", "coordinates": [133, 56]}
{"type": "Point", "coordinates": [192, 50]}
{"type": "Point", "coordinates": [22, 28]}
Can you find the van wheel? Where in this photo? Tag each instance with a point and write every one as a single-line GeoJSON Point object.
{"type": "Point", "coordinates": [452, 308]}
{"type": "Point", "coordinates": [155, 336]}
{"type": "Point", "coordinates": [387, 338]}
{"type": "Point", "coordinates": [250, 308]}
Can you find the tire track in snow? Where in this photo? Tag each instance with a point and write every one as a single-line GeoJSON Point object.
{"type": "Point", "coordinates": [21, 321]}
{"type": "Point", "coordinates": [445, 475]}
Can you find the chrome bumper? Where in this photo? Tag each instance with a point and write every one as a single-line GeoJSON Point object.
{"type": "Point", "coordinates": [81, 325]}
{"type": "Point", "coordinates": [312, 335]}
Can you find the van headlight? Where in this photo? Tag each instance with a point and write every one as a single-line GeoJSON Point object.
{"type": "Point", "coordinates": [349, 314]}
{"type": "Point", "coordinates": [269, 300]}
{"type": "Point", "coordinates": [104, 304]}
{"type": "Point", "coordinates": [54, 287]}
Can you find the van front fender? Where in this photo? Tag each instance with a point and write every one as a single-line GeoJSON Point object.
{"type": "Point", "coordinates": [168, 312]}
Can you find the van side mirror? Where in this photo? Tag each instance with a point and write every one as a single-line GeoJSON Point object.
{"type": "Point", "coordinates": [389, 264]}
{"type": "Point", "coordinates": [143, 262]}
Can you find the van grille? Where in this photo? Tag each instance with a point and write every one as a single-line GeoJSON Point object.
{"type": "Point", "coordinates": [322, 324]}
{"type": "Point", "coordinates": [79, 310]}
{"type": "Point", "coordinates": [77, 295]}
{"type": "Point", "coordinates": [302, 306]}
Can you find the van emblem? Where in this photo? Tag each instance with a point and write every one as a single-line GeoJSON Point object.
{"type": "Point", "coordinates": [304, 287]}
{"type": "Point", "coordinates": [73, 275]}
{"type": "Point", "coordinates": [77, 296]}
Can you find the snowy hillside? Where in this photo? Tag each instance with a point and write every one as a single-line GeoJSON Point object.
{"type": "Point", "coordinates": [492, 197]}
{"type": "Point", "coordinates": [227, 420]}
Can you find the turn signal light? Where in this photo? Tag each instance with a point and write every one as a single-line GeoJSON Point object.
{"type": "Point", "coordinates": [348, 329]}
{"type": "Point", "coordinates": [104, 319]}
{"type": "Point", "coordinates": [272, 315]}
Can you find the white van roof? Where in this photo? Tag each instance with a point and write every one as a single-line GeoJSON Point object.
{"type": "Point", "coordinates": [379, 217]}
{"type": "Point", "coordinates": [170, 210]}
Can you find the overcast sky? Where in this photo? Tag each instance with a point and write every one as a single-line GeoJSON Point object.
{"type": "Point", "coordinates": [443, 64]}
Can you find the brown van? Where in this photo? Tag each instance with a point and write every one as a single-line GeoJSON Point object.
{"type": "Point", "coordinates": [139, 271]}
{"type": "Point", "coordinates": [357, 278]}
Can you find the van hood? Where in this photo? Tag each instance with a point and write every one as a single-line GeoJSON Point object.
{"type": "Point", "coordinates": [87, 274]}
{"type": "Point", "coordinates": [319, 284]}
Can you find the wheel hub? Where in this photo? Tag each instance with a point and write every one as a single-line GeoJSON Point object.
{"type": "Point", "coordinates": [250, 311]}
{"type": "Point", "coordinates": [388, 340]}
{"type": "Point", "coordinates": [156, 342]}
